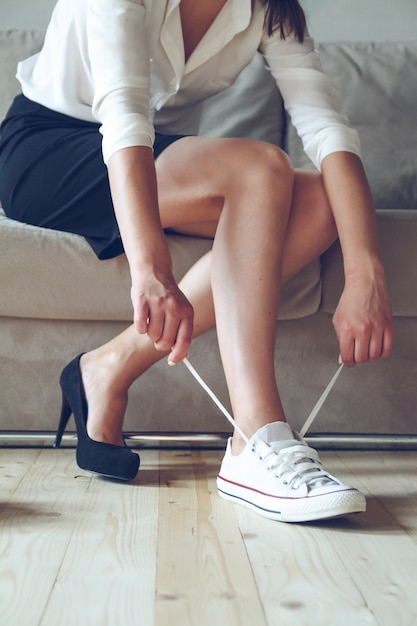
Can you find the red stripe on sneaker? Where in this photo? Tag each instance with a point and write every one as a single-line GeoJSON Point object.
{"type": "Point", "coordinates": [270, 495]}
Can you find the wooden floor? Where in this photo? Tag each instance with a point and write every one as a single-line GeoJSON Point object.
{"type": "Point", "coordinates": [78, 550]}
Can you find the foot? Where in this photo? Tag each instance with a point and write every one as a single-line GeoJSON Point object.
{"type": "Point", "coordinates": [106, 402]}
{"type": "Point", "coordinates": [280, 477]}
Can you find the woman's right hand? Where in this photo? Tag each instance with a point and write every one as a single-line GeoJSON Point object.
{"type": "Point", "coordinates": [160, 309]}
{"type": "Point", "coordinates": [163, 312]}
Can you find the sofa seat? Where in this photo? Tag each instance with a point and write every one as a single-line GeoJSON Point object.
{"type": "Point", "coordinates": [59, 277]}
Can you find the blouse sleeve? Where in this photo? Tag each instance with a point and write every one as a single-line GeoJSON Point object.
{"type": "Point", "coordinates": [310, 98]}
{"type": "Point", "coordinates": [119, 63]}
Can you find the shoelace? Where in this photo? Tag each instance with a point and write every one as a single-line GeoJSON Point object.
{"type": "Point", "coordinates": [226, 413]}
{"type": "Point", "coordinates": [295, 465]}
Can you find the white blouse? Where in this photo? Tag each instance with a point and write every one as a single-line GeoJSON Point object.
{"type": "Point", "coordinates": [121, 63]}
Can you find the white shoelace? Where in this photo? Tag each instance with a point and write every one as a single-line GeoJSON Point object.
{"type": "Point", "coordinates": [296, 465]}
{"type": "Point", "coordinates": [226, 413]}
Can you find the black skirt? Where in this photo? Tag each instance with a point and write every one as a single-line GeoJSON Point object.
{"type": "Point", "coordinates": [52, 174]}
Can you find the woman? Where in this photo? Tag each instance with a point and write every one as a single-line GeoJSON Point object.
{"type": "Point", "coordinates": [111, 73]}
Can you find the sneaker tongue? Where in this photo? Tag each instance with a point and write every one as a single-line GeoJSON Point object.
{"type": "Point", "coordinates": [278, 433]}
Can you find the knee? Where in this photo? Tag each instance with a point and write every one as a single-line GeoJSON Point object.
{"type": "Point", "coordinates": [213, 168]}
{"type": "Point", "coordinates": [269, 165]}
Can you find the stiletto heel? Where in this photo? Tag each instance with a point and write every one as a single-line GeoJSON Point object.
{"type": "Point", "coordinates": [94, 456]}
{"type": "Point", "coordinates": [63, 420]}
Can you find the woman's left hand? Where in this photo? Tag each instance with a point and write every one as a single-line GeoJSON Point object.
{"type": "Point", "coordinates": [363, 320]}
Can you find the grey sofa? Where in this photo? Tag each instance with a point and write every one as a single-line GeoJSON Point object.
{"type": "Point", "coordinates": [57, 300]}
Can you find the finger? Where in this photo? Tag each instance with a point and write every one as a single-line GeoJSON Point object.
{"type": "Point", "coordinates": [141, 319]}
{"type": "Point", "coordinates": [361, 353]}
{"type": "Point", "coordinates": [347, 350]}
{"type": "Point", "coordinates": [168, 334]}
{"type": "Point", "coordinates": [156, 326]}
{"type": "Point", "coordinates": [387, 342]}
{"type": "Point", "coordinates": [172, 324]}
{"type": "Point", "coordinates": [183, 341]}
{"type": "Point", "coordinates": [376, 345]}
{"type": "Point", "coordinates": [176, 335]}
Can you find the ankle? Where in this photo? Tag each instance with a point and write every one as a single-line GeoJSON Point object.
{"type": "Point", "coordinates": [106, 398]}
{"type": "Point", "coordinates": [252, 423]}
{"type": "Point", "coordinates": [105, 368]}
{"type": "Point", "coordinates": [105, 432]}
{"type": "Point", "coordinates": [238, 443]}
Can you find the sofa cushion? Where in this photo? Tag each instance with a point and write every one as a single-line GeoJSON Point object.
{"type": "Point", "coordinates": [55, 275]}
{"type": "Point", "coordinates": [397, 231]}
{"type": "Point", "coordinates": [253, 96]}
{"type": "Point", "coordinates": [48, 274]}
{"type": "Point", "coordinates": [378, 86]}
{"type": "Point", "coordinates": [15, 45]}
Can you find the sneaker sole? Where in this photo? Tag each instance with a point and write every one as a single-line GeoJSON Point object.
{"type": "Point", "coordinates": [326, 506]}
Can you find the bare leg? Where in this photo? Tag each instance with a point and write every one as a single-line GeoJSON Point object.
{"type": "Point", "coordinates": [246, 282]}
{"type": "Point", "coordinates": [109, 371]}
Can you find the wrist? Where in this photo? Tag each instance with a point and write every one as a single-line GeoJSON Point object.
{"type": "Point", "coordinates": [144, 269]}
{"type": "Point", "coordinates": [154, 258]}
{"type": "Point", "coordinates": [369, 268]}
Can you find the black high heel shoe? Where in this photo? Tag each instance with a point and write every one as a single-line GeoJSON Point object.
{"type": "Point", "coordinates": [95, 456]}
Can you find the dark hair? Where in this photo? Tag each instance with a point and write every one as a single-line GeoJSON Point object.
{"type": "Point", "coordinates": [285, 15]}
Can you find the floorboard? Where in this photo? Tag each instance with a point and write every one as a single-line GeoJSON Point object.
{"type": "Point", "coordinates": [165, 549]}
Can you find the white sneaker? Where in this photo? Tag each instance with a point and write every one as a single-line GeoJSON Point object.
{"type": "Point", "coordinates": [280, 477]}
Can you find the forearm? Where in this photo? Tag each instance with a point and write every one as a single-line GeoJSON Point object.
{"type": "Point", "coordinates": [160, 308]}
{"type": "Point", "coordinates": [362, 320]}
{"type": "Point", "coordinates": [353, 209]}
{"type": "Point", "coordinates": [133, 186]}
